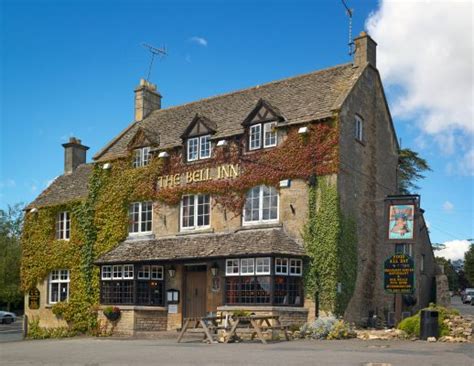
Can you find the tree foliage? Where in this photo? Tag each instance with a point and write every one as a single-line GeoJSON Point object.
{"type": "Point", "coordinates": [469, 264]}
{"type": "Point", "coordinates": [10, 254]}
{"type": "Point", "coordinates": [411, 168]}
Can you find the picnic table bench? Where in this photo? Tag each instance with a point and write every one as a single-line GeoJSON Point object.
{"type": "Point", "coordinates": [255, 324]}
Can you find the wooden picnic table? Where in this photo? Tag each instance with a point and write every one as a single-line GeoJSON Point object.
{"type": "Point", "coordinates": [208, 324]}
{"type": "Point", "coordinates": [259, 323]}
{"type": "Point", "coordinates": [256, 323]}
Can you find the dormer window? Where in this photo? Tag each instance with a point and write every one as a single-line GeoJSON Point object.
{"type": "Point", "coordinates": [63, 226]}
{"type": "Point", "coordinates": [141, 157]}
{"type": "Point", "coordinates": [199, 148]}
{"type": "Point", "coordinates": [262, 135]}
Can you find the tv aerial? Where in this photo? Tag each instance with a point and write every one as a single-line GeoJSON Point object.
{"type": "Point", "coordinates": [349, 13]}
{"type": "Point", "coordinates": [154, 51]}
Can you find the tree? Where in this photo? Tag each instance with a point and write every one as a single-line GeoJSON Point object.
{"type": "Point", "coordinates": [10, 255]}
{"type": "Point", "coordinates": [411, 167]}
{"type": "Point", "coordinates": [450, 272]}
{"type": "Point", "coordinates": [469, 264]}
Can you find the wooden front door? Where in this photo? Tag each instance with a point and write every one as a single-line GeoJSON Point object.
{"type": "Point", "coordinates": [195, 299]}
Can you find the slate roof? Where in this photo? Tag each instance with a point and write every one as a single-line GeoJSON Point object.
{"type": "Point", "coordinates": [65, 188]}
{"type": "Point", "coordinates": [241, 243]}
{"type": "Point", "coordinates": [303, 98]}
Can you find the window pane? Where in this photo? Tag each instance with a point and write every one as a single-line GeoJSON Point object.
{"type": "Point", "coordinates": [146, 217]}
{"type": "Point", "coordinates": [270, 134]}
{"type": "Point", "coordinates": [270, 203]}
{"type": "Point", "coordinates": [252, 205]}
{"type": "Point", "coordinates": [128, 271]}
{"type": "Point", "coordinates": [193, 148]}
{"type": "Point", "coordinates": [134, 217]}
{"type": "Point", "coordinates": [54, 292]}
{"type": "Point", "coordinates": [144, 272]}
{"type": "Point", "coordinates": [205, 148]}
{"type": "Point", "coordinates": [203, 210]}
{"type": "Point", "coordinates": [281, 266]}
{"type": "Point", "coordinates": [255, 132]}
{"type": "Point", "coordinates": [146, 156]}
{"type": "Point", "coordinates": [63, 291]}
{"type": "Point", "coordinates": [246, 266]}
{"type": "Point", "coordinates": [232, 267]}
{"type": "Point", "coordinates": [188, 211]}
{"type": "Point", "coordinates": [262, 266]}
{"type": "Point", "coordinates": [156, 272]}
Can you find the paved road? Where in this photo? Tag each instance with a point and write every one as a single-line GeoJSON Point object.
{"type": "Point", "coordinates": [106, 351]}
{"type": "Point", "coordinates": [465, 309]}
{"type": "Point", "coordinates": [11, 332]}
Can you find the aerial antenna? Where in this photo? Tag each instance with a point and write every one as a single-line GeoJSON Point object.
{"type": "Point", "coordinates": [160, 52]}
{"type": "Point", "coordinates": [349, 13]}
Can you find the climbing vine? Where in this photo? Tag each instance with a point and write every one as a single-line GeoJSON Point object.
{"type": "Point", "coordinates": [331, 243]}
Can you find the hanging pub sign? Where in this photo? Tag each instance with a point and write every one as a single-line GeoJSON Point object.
{"type": "Point", "coordinates": [399, 274]}
{"type": "Point", "coordinates": [34, 299]}
{"type": "Point", "coordinates": [401, 217]}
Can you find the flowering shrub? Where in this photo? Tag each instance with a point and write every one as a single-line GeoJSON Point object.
{"type": "Point", "coordinates": [328, 328]}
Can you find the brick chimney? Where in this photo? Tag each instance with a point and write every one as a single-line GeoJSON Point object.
{"type": "Point", "coordinates": [147, 99]}
{"type": "Point", "coordinates": [365, 50]}
{"type": "Point", "coordinates": [74, 154]}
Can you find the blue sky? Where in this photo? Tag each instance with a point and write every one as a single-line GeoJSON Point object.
{"type": "Point", "coordinates": [70, 67]}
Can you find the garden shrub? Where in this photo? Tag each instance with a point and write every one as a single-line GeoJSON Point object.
{"type": "Point", "coordinates": [35, 331]}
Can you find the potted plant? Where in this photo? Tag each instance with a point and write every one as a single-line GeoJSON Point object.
{"type": "Point", "coordinates": [112, 313]}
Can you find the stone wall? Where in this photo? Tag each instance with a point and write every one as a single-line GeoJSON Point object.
{"type": "Point", "coordinates": [443, 297]}
{"type": "Point", "coordinates": [368, 172]}
{"type": "Point", "coordinates": [150, 320]}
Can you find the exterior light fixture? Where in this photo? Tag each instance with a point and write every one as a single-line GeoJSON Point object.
{"type": "Point", "coordinates": [33, 210]}
{"type": "Point", "coordinates": [171, 271]}
{"type": "Point", "coordinates": [221, 143]}
{"type": "Point", "coordinates": [285, 183]}
{"type": "Point", "coordinates": [303, 130]}
{"type": "Point", "coordinates": [163, 154]}
{"type": "Point", "coordinates": [106, 166]}
{"type": "Point", "coordinates": [214, 269]}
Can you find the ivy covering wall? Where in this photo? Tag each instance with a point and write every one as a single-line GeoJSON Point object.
{"type": "Point", "coordinates": [331, 244]}
{"type": "Point", "coordinates": [100, 222]}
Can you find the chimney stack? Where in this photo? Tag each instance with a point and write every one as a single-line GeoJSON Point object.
{"type": "Point", "coordinates": [147, 99]}
{"type": "Point", "coordinates": [74, 154]}
{"type": "Point", "coordinates": [365, 50]}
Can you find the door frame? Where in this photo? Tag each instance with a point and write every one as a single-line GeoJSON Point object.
{"type": "Point", "coordinates": [185, 285]}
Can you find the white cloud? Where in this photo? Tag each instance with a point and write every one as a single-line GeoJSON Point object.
{"type": "Point", "coordinates": [454, 249]}
{"type": "Point", "coordinates": [425, 50]}
{"type": "Point", "coordinates": [199, 40]}
{"type": "Point", "coordinates": [448, 207]}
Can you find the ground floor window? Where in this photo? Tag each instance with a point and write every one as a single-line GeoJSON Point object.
{"type": "Point", "coordinates": [126, 284]}
{"type": "Point", "coordinates": [58, 285]}
{"type": "Point", "coordinates": [249, 284]}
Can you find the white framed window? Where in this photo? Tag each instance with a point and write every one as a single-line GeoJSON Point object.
{"type": "Point", "coordinates": [359, 128]}
{"type": "Point", "coordinates": [156, 272]}
{"type": "Point", "coordinates": [143, 272]}
{"type": "Point", "coordinates": [269, 134]}
{"type": "Point", "coordinates": [141, 157]}
{"type": "Point", "coordinates": [261, 205]}
{"type": "Point", "coordinates": [247, 266]}
{"type": "Point", "coordinates": [232, 267]}
{"type": "Point", "coordinates": [262, 266]}
{"type": "Point", "coordinates": [403, 248]}
{"type": "Point", "coordinates": [106, 273]}
{"type": "Point", "coordinates": [117, 273]}
{"type": "Point", "coordinates": [58, 286]}
{"type": "Point", "coordinates": [195, 211]}
{"type": "Point", "coordinates": [255, 138]}
{"type": "Point", "coordinates": [296, 267]}
{"type": "Point", "coordinates": [199, 148]}
{"type": "Point", "coordinates": [128, 271]}
{"type": "Point", "coordinates": [140, 215]}
{"type": "Point", "coordinates": [281, 266]}
{"type": "Point", "coordinates": [63, 226]}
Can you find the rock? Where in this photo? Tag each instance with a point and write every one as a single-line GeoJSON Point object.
{"type": "Point", "coordinates": [431, 339]}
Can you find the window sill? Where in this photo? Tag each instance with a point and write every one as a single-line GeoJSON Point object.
{"type": "Point", "coordinates": [139, 237]}
{"type": "Point", "coordinates": [195, 232]}
{"type": "Point", "coordinates": [138, 307]}
{"type": "Point", "coordinates": [360, 141]}
{"type": "Point", "coordinates": [259, 226]}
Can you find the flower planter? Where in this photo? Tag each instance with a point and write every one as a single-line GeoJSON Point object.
{"type": "Point", "coordinates": [112, 313]}
{"type": "Point", "coordinates": [112, 316]}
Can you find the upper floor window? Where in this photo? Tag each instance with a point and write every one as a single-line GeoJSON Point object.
{"type": "Point", "coordinates": [262, 135]}
{"type": "Point", "coordinates": [261, 205]}
{"type": "Point", "coordinates": [199, 148]}
{"type": "Point", "coordinates": [195, 211]}
{"type": "Point", "coordinates": [140, 216]}
{"type": "Point", "coordinates": [63, 226]}
{"type": "Point", "coordinates": [359, 128]}
{"type": "Point", "coordinates": [141, 157]}
{"type": "Point", "coordinates": [58, 286]}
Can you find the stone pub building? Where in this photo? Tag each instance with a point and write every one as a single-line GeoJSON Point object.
{"type": "Point", "coordinates": [268, 199]}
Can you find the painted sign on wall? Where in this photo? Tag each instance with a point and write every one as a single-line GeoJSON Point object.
{"type": "Point", "coordinates": [401, 222]}
{"type": "Point", "coordinates": [34, 299]}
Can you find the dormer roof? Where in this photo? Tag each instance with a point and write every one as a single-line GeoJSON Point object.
{"type": "Point", "coordinates": [200, 125]}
